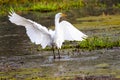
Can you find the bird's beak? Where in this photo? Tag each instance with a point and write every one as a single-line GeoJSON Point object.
{"type": "Point", "coordinates": [63, 15]}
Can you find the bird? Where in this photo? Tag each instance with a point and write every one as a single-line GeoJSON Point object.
{"type": "Point", "coordinates": [40, 35]}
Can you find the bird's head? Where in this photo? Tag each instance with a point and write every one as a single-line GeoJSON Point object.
{"type": "Point", "coordinates": [59, 15]}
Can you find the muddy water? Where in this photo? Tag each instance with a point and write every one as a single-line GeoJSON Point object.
{"type": "Point", "coordinates": [20, 59]}
{"type": "Point", "coordinates": [12, 40]}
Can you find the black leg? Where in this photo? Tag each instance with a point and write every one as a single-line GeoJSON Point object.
{"type": "Point", "coordinates": [53, 52]}
{"type": "Point", "coordinates": [59, 53]}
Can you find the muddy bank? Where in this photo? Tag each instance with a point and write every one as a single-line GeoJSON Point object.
{"type": "Point", "coordinates": [97, 64]}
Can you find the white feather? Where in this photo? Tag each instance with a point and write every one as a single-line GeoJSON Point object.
{"type": "Point", "coordinates": [71, 33]}
{"type": "Point", "coordinates": [37, 33]}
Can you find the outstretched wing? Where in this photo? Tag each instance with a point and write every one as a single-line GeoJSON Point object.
{"type": "Point", "coordinates": [37, 33]}
{"type": "Point", "coordinates": [70, 32]}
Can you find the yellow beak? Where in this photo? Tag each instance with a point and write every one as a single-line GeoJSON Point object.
{"type": "Point", "coordinates": [63, 15]}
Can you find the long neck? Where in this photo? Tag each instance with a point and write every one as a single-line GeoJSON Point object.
{"type": "Point", "coordinates": [56, 22]}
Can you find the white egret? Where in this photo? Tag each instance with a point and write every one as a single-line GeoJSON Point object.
{"type": "Point", "coordinates": [39, 34]}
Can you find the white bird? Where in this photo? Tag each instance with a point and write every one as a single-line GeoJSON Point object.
{"type": "Point", "coordinates": [39, 34]}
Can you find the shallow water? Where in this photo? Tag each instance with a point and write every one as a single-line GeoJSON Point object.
{"type": "Point", "coordinates": [20, 59]}
{"type": "Point", "coordinates": [98, 62]}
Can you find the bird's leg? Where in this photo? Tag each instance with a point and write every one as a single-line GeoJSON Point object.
{"type": "Point", "coordinates": [59, 53]}
{"type": "Point", "coordinates": [53, 52]}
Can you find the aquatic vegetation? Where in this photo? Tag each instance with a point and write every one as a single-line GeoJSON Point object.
{"type": "Point", "coordinates": [103, 65]}
{"type": "Point", "coordinates": [91, 43]}
{"type": "Point", "coordinates": [98, 43]}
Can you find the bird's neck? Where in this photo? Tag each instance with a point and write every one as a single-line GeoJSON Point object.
{"type": "Point", "coordinates": [57, 22]}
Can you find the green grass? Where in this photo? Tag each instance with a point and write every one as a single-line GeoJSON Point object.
{"type": "Point", "coordinates": [43, 6]}
{"type": "Point", "coordinates": [91, 43]}
{"type": "Point", "coordinates": [98, 43]}
{"type": "Point", "coordinates": [53, 6]}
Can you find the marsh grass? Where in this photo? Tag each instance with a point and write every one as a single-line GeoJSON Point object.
{"type": "Point", "coordinates": [91, 43]}
{"type": "Point", "coordinates": [98, 43]}
{"type": "Point", "coordinates": [43, 6]}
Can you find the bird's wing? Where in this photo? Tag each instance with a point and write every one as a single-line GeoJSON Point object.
{"type": "Point", "coordinates": [52, 33]}
{"type": "Point", "coordinates": [37, 33]}
{"type": "Point", "coordinates": [70, 32]}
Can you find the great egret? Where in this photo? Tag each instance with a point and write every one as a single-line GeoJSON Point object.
{"type": "Point", "coordinates": [39, 34]}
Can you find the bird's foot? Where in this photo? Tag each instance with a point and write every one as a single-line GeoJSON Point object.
{"type": "Point", "coordinates": [54, 57]}
{"type": "Point", "coordinates": [58, 57]}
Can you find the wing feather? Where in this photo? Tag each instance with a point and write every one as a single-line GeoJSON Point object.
{"type": "Point", "coordinates": [71, 33]}
{"type": "Point", "coordinates": [37, 33]}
